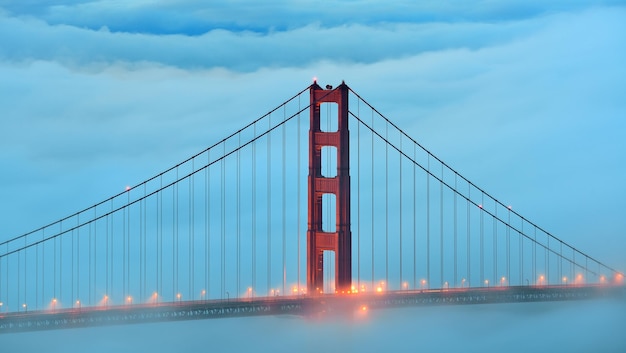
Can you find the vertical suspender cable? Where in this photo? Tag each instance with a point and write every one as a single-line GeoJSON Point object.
{"type": "Point", "coordinates": [560, 260]}
{"type": "Point", "coordinates": [400, 233]}
{"type": "Point", "coordinates": [223, 223]}
{"type": "Point", "coordinates": [106, 268]}
{"type": "Point", "coordinates": [428, 221]}
{"type": "Point", "coordinates": [521, 256]}
{"type": "Point", "coordinates": [207, 256]}
{"type": "Point", "coordinates": [284, 147]}
{"type": "Point", "coordinates": [386, 204]}
{"type": "Point", "coordinates": [36, 277]}
{"type": "Point", "coordinates": [358, 194]}
{"type": "Point", "coordinates": [124, 247]}
{"type": "Point", "coordinates": [469, 269]}
{"type": "Point", "coordinates": [127, 208]}
{"type": "Point", "coordinates": [441, 281]}
{"type": "Point", "coordinates": [547, 260]}
{"type": "Point", "coordinates": [60, 261]}
{"type": "Point", "coordinates": [414, 216]}
{"type": "Point", "coordinates": [495, 241]}
{"type": "Point", "coordinates": [92, 293]}
{"type": "Point", "coordinates": [535, 254]}
{"type": "Point", "coordinates": [508, 246]}
{"type": "Point", "coordinates": [19, 277]}
{"type": "Point", "coordinates": [190, 273]}
{"type": "Point", "coordinates": [298, 192]}
{"type": "Point", "coordinates": [77, 259]}
{"type": "Point", "coordinates": [43, 268]}
{"type": "Point", "coordinates": [160, 239]}
{"type": "Point", "coordinates": [269, 205]}
{"type": "Point", "coordinates": [372, 166]}
{"type": "Point", "coordinates": [254, 225]}
{"type": "Point", "coordinates": [145, 240]}
{"type": "Point", "coordinates": [482, 240]}
{"type": "Point", "coordinates": [239, 214]}
{"type": "Point", "coordinates": [174, 228]}
{"type": "Point", "coordinates": [207, 243]}
{"type": "Point", "coordinates": [455, 229]}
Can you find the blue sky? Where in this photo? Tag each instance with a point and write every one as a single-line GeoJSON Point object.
{"type": "Point", "coordinates": [524, 98]}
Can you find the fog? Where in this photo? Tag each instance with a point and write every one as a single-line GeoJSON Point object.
{"type": "Point", "coordinates": [575, 326]}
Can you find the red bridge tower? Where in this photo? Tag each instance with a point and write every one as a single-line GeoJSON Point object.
{"type": "Point", "coordinates": [318, 240]}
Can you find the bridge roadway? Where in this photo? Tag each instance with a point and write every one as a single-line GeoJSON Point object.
{"type": "Point", "coordinates": [341, 304]}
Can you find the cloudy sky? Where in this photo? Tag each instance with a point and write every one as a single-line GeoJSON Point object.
{"type": "Point", "coordinates": [521, 97]}
{"type": "Point", "coordinates": [524, 98]}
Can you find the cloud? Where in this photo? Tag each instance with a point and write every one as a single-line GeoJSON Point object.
{"type": "Point", "coordinates": [578, 326]}
{"type": "Point", "coordinates": [529, 109]}
{"type": "Point", "coordinates": [33, 37]}
{"type": "Point", "coordinates": [193, 18]}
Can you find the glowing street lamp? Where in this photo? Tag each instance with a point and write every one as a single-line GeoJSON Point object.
{"type": "Point", "coordinates": [502, 281]}
{"type": "Point", "coordinates": [564, 280]}
{"type": "Point", "coordinates": [579, 279]}
{"type": "Point", "coordinates": [542, 279]}
{"type": "Point", "coordinates": [423, 283]}
{"type": "Point", "coordinates": [462, 282]}
{"type": "Point", "coordinates": [381, 287]}
{"type": "Point", "coordinates": [486, 283]}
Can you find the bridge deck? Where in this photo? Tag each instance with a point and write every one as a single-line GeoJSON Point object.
{"type": "Point", "coordinates": [294, 305]}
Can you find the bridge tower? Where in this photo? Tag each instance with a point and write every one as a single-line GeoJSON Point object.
{"type": "Point", "coordinates": [318, 240]}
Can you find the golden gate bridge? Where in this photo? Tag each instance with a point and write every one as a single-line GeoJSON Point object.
{"type": "Point", "coordinates": [294, 213]}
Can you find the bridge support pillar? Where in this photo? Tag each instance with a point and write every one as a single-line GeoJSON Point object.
{"type": "Point", "coordinates": [319, 240]}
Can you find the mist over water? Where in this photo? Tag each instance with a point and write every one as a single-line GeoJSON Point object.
{"type": "Point", "coordinates": [575, 326]}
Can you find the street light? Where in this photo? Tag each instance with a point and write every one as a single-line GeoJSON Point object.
{"type": "Point", "coordinates": [462, 282]}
